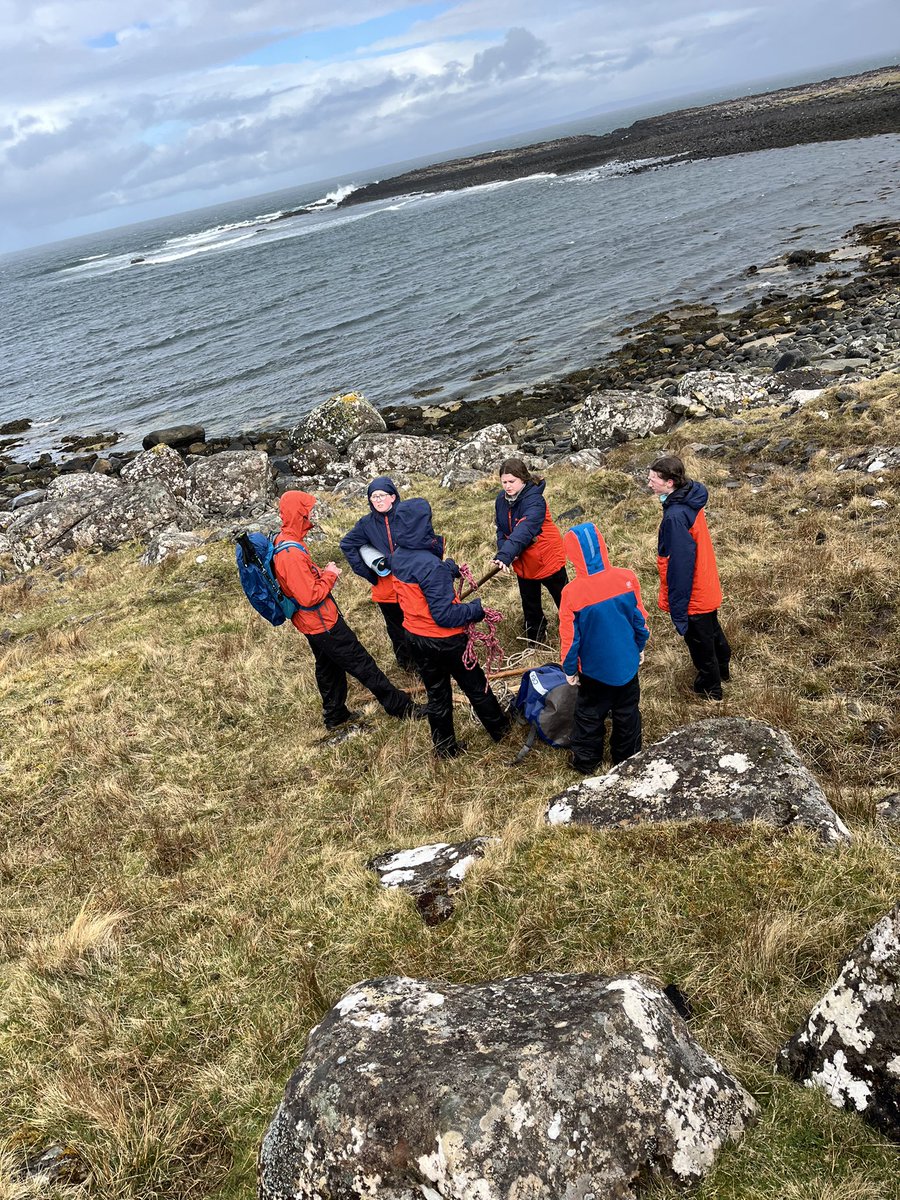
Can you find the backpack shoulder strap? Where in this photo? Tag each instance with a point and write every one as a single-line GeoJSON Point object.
{"type": "Point", "coordinates": [289, 546]}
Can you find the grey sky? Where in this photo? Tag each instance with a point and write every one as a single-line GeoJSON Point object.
{"type": "Point", "coordinates": [114, 110]}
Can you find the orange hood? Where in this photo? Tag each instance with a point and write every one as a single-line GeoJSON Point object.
{"type": "Point", "coordinates": [295, 508]}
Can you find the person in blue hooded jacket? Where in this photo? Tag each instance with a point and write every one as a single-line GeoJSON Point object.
{"type": "Point", "coordinates": [603, 630]}
{"type": "Point", "coordinates": [435, 621]}
{"type": "Point", "coordinates": [374, 529]}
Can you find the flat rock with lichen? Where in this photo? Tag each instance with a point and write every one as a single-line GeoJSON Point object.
{"type": "Point", "coordinates": [850, 1043]}
{"type": "Point", "coordinates": [431, 874]}
{"type": "Point", "coordinates": [543, 1085]}
{"type": "Point", "coordinates": [724, 769]}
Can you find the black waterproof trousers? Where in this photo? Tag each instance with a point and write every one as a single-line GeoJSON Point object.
{"type": "Point", "coordinates": [596, 701]}
{"type": "Point", "coordinates": [338, 653]}
{"type": "Point", "coordinates": [530, 592]}
{"type": "Point", "coordinates": [439, 661]}
{"type": "Point", "coordinates": [710, 653]}
{"type": "Point", "coordinates": [393, 620]}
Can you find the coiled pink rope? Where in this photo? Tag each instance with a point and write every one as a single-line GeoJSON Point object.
{"type": "Point", "coordinates": [482, 635]}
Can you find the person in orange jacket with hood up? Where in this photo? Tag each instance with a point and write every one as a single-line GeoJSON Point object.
{"type": "Point", "coordinates": [336, 648]}
{"type": "Point", "coordinates": [602, 631]}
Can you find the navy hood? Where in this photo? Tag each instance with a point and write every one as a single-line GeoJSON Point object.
{"type": "Point", "coordinates": [382, 484]}
{"type": "Point", "coordinates": [586, 549]}
{"type": "Point", "coordinates": [412, 529]}
{"type": "Point", "coordinates": [692, 495]}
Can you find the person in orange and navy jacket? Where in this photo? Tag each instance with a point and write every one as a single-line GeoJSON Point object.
{"type": "Point", "coordinates": [603, 630]}
{"type": "Point", "coordinates": [336, 648]}
{"type": "Point", "coordinates": [374, 529]}
{"type": "Point", "coordinates": [435, 621]}
{"type": "Point", "coordinates": [529, 542]}
{"type": "Point", "coordinates": [689, 588]}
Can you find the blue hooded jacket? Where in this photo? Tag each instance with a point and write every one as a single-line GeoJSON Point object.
{"type": "Point", "coordinates": [374, 529]}
{"type": "Point", "coordinates": [602, 624]}
{"type": "Point", "coordinates": [424, 579]}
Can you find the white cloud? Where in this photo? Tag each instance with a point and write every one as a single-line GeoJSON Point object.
{"type": "Point", "coordinates": [109, 107]}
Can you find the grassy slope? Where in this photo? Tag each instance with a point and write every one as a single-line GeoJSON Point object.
{"type": "Point", "coordinates": [182, 864]}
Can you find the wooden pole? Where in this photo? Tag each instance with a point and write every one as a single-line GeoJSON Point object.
{"type": "Point", "coordinates": [463, 595]}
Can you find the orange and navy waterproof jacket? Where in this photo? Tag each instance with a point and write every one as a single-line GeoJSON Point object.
{"type": "Point", "coordinates": [688, 578]}
{"type": "Point", "coordinates": [374, 529]}
{"type": "Point", "coordinates": [602, 624]}
{"type": "Point", "coordinates": [423, 579]}
{"type": "Point", "coordinates": [298, 575]}
{"type": "Point", "coordinates": [526, 535]}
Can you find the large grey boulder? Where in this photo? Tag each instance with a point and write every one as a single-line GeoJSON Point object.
{"type": "Point", "coordinates": [133, 513]}
{"type": "Point", "coordinates": [232, 484]}
{"type": "Point", "coordinates": [539, 1086]}
{"type": "Point", "coordinates": [162, 464]}
{"type": "Point", "coordinates": [398, 454]}
{"type": "Point", "coordinates": [431, 874]}
{"type": "Point", "coordinates": [479, 455]}
{"type": "Point", "coordinates": [724, 769]}
{"type": "Point", "coordinates": [339, 420]}
{"type": "Point", "coordinates": [45, 531]}
{"type": "Point", "coordinates": [175, 435]}
{"type": "Point", "coordinates": [94, 512]}
{"type": "Point", "coordinates": [850, 1043]}
{"type": "Point", "coordinates": [721, 393]}
{"type": "Point", "coordinates": [609, 417]}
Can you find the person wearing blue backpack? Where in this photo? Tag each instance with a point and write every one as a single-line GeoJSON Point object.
{"type": "Point", "coordinates": [603, 629]}
{"type": "Point", "coordinates": [337, 650]}
{"type": "Point", "coordinates": [374, 529]}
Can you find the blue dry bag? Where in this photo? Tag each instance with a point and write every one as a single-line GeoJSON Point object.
{"type": "Point", "coordinates": [546, 702]}
{"type": "Point", "coordinates": [254, 553]}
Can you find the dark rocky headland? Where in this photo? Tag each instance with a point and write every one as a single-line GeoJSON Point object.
{"type": "Point", "coordinates": [831, 110]}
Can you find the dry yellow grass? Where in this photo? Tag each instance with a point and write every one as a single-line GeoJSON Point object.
{"type": "Point", "coordinates": [182, 877]}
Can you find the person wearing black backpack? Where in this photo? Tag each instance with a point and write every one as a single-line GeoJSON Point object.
{"type": "Point", "coordinates": [337, 650]}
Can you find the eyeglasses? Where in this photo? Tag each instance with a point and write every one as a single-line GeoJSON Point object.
{"type": "Point", "coordinates": [381, 496]}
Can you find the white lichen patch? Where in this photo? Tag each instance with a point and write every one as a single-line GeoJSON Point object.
{"type": "Point", "coordinates": [559, 813]}
{"type": "Point", "coordinates": [893, 1066]}
{"type": "Point", "coordinates": [658, 779]}
{"type": "Point", "coordinates": [843, 1010]}
{"type": "Point", "coordinates": [553, 1129]}
{"type": "Point", "coordinates": [885, 941]}
{"type": "Point", "coordinates": [735, 762]}
{"type": "Point", "coordinates": [403, 860]}
{"type": "Point", "coordinates": [840, 1084]}
{"type": "Point", "coordinates": [392, 879]}
{"type": "Point", "coordinates": [639, 1008]}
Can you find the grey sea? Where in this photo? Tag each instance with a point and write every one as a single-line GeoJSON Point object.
{"type": "Point", "coordinates": [238, 318]}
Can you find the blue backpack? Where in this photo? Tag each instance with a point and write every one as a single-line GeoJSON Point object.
{"type": "Point", "coordinates": [254, 553]}
{"type": "Point", "coordinates": [546, 702]}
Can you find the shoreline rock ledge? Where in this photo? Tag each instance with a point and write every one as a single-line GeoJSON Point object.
{"type": "Point", "coordinates": [541, 1085]}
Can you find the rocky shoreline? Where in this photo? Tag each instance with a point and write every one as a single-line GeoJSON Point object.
{"type": "Point", "coordinates": [853, 106]}
{"type": "Point", "coordinates": [831, 317]}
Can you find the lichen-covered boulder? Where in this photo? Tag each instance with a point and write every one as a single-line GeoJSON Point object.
{"type": "Point", "coordinates": [339, 420]}
{"type": "Point", "coordinates": [431, 874]}
{"type": "Point", "coordinates": [719, 392]}
{"type": "Point", "coordinates": [162, 464]}
{"type": "Point", "coordinates": [850, 1043]}
{"type": "Point", "coordinates": [232, 484]}
{"type": "Point", "coordinates": [132, 513]}
{"type": "Point", "coordinates": [538, 1086]}
{"type": "Point", "coordinates": [609, 417]}
{"type": "Point", "coordinates": [479, 455]}
{"type": "Point", "coordinates": [45, 531]}
{"type": "Point", "coordinates": [725, 769]}
{"type": "Point", "coordinates": [398, 454]}
{"type": "Point", "coordinates": [314, 458]}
